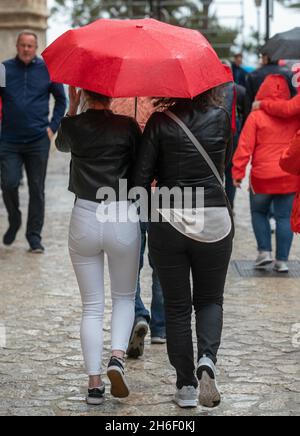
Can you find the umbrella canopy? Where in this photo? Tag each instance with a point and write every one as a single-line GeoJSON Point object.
{"type": "Point", "coordinates": [284, 46]}
{"type": "Point", "coordinates": [130, 58]}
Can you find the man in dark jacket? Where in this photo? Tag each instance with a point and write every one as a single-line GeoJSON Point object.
{"type": "Point", "coordinates": [239, 73]}
{"type": "Point", "coordinates": [255, 80]}
{"type": "Point", "coordinates": [26, 136]}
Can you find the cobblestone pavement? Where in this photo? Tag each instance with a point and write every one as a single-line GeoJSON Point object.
{"type": "Point", "coordinates": [41, 365]}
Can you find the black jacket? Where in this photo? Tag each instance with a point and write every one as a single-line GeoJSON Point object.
{"type": "Point", "coordinates": [104, 149]}
{"type": "Point", "coordinates": [239, 75]}
{"type": "Point", "coordinates": [230, 93]}
{"type": "Point", "coordinates": [169, 156]}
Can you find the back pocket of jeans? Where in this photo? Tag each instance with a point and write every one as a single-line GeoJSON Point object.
{"type": "Point", "coordinates": [78, 227]}
{"type": "Point", "coordinates": [126, 233]}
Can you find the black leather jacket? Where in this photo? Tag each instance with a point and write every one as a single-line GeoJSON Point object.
{"type": "Point", "coordinates": [169, 156]}
{"type": "Point", "coordinates": [104, 149]}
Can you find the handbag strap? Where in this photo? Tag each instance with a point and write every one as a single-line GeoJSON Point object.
{"type": "Point", "coordinates": [197, 144]}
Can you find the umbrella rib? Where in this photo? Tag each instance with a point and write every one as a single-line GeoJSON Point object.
{"type": "Point", "coordinates": [156, 41]}
{"type": "Point", "coordinates": [183, 73]}
{"type": "Point", "coordinates": [64, 60]}
{"type": "Point", "coordinates": [114, 90]}
{"type": "Point", "coordinates": [177, 59]}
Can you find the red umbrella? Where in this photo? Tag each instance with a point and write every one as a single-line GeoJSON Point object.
{"type": "Point", "coordinates": [130, 58]}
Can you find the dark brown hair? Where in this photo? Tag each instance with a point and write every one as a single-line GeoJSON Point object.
{"type": "Point", "coordinates": [99, 98]}
{"type": "Point", "coordinates": [212, 97]}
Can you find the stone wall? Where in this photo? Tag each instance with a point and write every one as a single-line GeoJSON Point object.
{"type": "Point", "coordinates": [17, 15]}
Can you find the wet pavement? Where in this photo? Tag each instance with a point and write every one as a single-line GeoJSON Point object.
{"type": "Point", "coordinates": [41, 370]}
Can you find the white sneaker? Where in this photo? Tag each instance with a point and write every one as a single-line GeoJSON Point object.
{"type": "Point", "coordinates": [281, 267]}
{"type": "Point", "coordinates": [186, 397]}
{"type": "Point", "coordinates": [209, 392]}
{"type": "Point", "coordinates": [264, 259]}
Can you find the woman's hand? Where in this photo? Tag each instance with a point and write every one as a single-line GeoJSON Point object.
{"type": "Point", "coordinates": [74, 97]}
{"type": "Point", "coordinates": [256, 106]}
{"type": "Point", "coordinates": [237, 184]}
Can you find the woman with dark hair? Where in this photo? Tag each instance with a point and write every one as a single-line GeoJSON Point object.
{"type": "Point", "coordinates": [188, 146]}
{"type": "Point", "coordinates": [103, 148]}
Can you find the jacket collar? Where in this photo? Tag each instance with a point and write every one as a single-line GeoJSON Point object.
{"type": "Point", "coordinates": [21, 63]}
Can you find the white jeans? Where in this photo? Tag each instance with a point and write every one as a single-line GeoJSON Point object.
{"type": "Point", "coordinates": [89, 241]}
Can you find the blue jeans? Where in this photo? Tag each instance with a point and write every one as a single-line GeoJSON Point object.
{"type": "Point", "coordinates": [157, 319]}
{"type": "Point", "coordinates": [230, 188]}
{"type": "Point", "coordinates": [34, 156]}
{"type": "Point", "coordinates": [260, 210]}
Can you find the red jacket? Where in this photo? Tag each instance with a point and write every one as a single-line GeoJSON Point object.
{"type": "Point", "coordinates": [282, 109]}
{"type": "Point", "coordinates": [290, 160]}
{"type": "Point", "coordinates": [263, 140]}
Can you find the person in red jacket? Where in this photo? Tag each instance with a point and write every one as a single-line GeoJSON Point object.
{"type": "Point", "coordinates": [263, 140]}
{"type": "Point", "coordinates": [290, 161]}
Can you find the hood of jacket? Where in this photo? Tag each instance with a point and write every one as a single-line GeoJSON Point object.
{"type": "Point", "coordinates": [275, 87]}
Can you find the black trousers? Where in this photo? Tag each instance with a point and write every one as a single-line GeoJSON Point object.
{"type": "Point", "coordinates": [34, 157]}
{"type": "Point", "coordinates": [176, 257]}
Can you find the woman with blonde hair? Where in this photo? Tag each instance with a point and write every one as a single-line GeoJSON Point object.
{"type": "Point", "coordinates": [103, 147]}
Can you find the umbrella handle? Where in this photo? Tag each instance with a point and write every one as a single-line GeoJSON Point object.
{"type": "Point", "coordinates": [135, 107]}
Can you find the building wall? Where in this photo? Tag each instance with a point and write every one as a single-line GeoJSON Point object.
{"type": "Point", "coordinates": [17, 15]}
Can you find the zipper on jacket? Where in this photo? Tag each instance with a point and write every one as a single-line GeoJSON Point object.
{"type": "Point", "coordinates": [25, 88]}
{"type": "Point", "coordinates": [25, 83]}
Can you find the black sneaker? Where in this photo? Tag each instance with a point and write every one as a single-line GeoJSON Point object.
{"type": "Point", "coordinates": [11, 234]}
{"type": "Point", "coordinates": [36, 248]}
{"type": "Point", "coordinates": [96, 396]}
{"type": "Point", "coordinates": [116, 375]}
{"type": "Point", "coordinates": [137, 340]}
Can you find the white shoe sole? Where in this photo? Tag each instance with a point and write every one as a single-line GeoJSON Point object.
{"type": "Point", "coordinates": [282, 271]}
{"type": "Point", "coordinates": [209, 392]}
{"type": "Point", "coordinates": [263, 265]}
{"type": "Point", "coordinates": [186, 404]}
{"type": "Point", "coordinates": [95, 401]}
{"type": "Point", "coordinates": [119, 387]}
